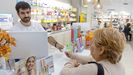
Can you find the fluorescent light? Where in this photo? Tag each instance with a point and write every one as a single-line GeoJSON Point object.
{"type": "Point", "coordinates": [98, 5]}
{"type": "Point", "coordinates": [88, 0]}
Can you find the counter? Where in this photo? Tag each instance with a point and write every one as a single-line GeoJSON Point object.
{"type": "Point", "coordinates": [59, 31]}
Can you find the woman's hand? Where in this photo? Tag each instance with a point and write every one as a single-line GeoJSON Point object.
{"type": "Point", "coordinates": [18, 72]}
{"type": "Point", "coordinates": [73, 63]}
{"type": "Point", "coordinates": [70, 55]}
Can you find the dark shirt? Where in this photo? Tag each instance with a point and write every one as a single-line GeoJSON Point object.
{"type": "Point", "coordinates": [127, 30]}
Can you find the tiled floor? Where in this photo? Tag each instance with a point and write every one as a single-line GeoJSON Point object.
{"type": "Point", "coordinates": [127, 58]}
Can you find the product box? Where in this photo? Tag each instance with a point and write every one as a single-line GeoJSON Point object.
{"type": "Point", "coordinates": [33, 66]}
{"type": "Point", "coordinates": [26, 66]}
{"type": "Point", "coordinates": [45, 65]}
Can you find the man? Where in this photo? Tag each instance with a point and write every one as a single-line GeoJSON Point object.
{"type": "Point", "coordinates": [25, 24]}
{"type": "Point", "coordinates": [127, 32]}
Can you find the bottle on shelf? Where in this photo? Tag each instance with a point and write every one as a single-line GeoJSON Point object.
{"type": "Point", "coordinates": [88, 38]}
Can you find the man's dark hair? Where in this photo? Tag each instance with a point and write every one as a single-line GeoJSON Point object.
{"type": "Point", "coordinates": [128, 24]}
{"type": "Point", "coordinates": [22, 5]}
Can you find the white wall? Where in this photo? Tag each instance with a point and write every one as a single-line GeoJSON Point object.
{"type": "Point", "coordinates": [8, 6]}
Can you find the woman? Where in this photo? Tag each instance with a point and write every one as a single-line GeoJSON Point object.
{"type": "Point", "coordinates": [30, 65]}
{"type": "Point", "coordinates": [28, 68]}
{"type": "Point", "coordinates": [106, 50]}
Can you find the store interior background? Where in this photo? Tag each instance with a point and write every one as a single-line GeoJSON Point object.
{"type": "Point", "coordinates": [8, 6]}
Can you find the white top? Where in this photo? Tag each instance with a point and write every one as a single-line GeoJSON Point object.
{"type": "Point", "coordinates": [91, 69]}
{"type": "Point", "coordinates": [33, 27]}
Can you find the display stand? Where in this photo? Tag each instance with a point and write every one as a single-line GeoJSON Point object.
{"type": "Point", "coordinates": [6, 21]}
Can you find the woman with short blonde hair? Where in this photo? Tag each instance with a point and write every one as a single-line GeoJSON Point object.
{"type": "Point", "coordinates": [106, 51]}
{"type": "Point", "coordinates": [112, 42]}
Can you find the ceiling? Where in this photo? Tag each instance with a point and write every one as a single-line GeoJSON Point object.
{"type": "Point", "coordinates": [118, 5]}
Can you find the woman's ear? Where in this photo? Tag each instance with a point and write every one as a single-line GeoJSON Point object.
{"type": "Point", "coordinates": [102, 49]}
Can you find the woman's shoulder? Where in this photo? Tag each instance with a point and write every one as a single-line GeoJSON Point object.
{"type": "Point", "coordinates": [113, 69]}
{"type": "Point", "coordinates": [89, 68]}
{"type": "Point", "coordinates": [85, 69]}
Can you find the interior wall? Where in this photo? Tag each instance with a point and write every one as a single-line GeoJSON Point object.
{"type": "Point", "coordinates": [8, 6]}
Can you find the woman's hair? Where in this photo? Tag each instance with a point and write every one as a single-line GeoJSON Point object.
{"type": "Point", "coordinates": [112, 41]}
{"type": "Point", "coordinates": [29, 59]}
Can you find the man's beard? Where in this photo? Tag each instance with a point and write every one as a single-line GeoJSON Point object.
{"type": "Point", "coordinates": [26, 19]}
